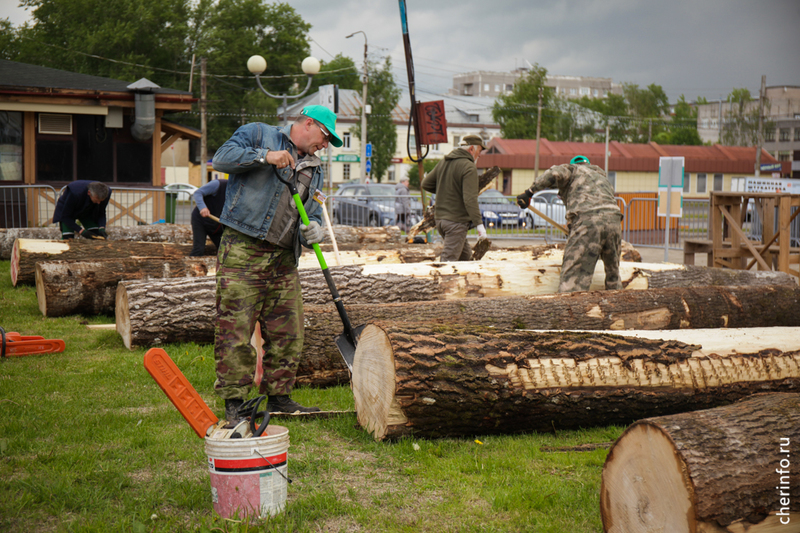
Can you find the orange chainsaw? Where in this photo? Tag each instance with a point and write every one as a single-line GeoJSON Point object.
{"type": "Point", "coordinates": [16, 345]}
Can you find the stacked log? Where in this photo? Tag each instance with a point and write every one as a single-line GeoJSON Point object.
{"type": "Point", "coordinates": [90, 287]}
{"type": "Point", "coordinates": [446, 381]}
{"type": "Point", "coordinates": [722, 470]}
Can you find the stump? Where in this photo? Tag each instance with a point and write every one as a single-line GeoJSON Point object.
{"type": "Point", "coordinates": [447, 381]}
{"type": "Point", "coordinates": [719, 470]}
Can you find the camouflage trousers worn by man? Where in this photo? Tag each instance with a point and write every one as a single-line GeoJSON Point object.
{"type": "Point", "coordinates": [592, 236]}
{"type": "Point", "coordinates": [256, 281]}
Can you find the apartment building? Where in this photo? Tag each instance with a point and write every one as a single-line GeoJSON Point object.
{"type": "Point", "coordinates": [493, 84]}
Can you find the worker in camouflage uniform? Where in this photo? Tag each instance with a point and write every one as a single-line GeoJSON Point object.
{"type": "Point", "coordinates": [257, 278]}
{"type": "Point", "coordinates": [593, 220]}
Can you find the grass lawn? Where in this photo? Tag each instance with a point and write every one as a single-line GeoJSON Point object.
{"type": "Point", "coordinates": [89, 442]}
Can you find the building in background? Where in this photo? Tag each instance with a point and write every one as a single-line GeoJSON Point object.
{"type": "Point", "coordinates": [493, 84]}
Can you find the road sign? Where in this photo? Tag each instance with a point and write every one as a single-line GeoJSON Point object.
{"type": "Point", "coordinates": [369, 165]}
{"type": "Point", "coordinates": [766, 167]}
{"type": "Point", "coordinates": [369, 151]}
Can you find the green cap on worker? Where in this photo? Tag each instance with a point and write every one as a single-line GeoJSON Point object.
{"type": "Point", "coordinates": [579, 160]}
{"type": "Point", "coordinates": [327, 118]}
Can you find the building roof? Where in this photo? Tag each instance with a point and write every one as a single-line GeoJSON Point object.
{"type": "Point", "coordinates": [624, 157]}
{"type": "Point", "coordinates": [21, 79]}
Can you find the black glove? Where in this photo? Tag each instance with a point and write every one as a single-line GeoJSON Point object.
{"type": "Point", "coordinates": [524, 199]}
{"type": "Point", "coordinates": [90, 234]}
{"type": "Point", "coordinates": [102, 233]}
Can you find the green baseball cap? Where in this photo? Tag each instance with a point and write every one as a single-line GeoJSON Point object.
{"type": "Point", "coordinates": [327, 118]}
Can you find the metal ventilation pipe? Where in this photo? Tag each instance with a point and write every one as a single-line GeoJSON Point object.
{"type": "Point", "coordinates": [145, 119]}
{"type": "Point", "coordinates": [145, 109]}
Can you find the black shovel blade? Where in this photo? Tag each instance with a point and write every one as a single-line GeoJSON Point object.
{"type": "Point", "coordinates": [347, 345]}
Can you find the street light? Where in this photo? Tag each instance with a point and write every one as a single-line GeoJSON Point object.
{"type": "Point", "coordinates": [257, 64]}
{"type": "Point", "coordinates": [363, 111]}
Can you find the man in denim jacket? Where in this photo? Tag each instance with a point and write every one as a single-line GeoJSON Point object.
{"type": "Point", "coordinates": [257, 278]}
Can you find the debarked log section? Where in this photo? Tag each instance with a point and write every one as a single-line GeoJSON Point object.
{"type": "Point", "coordinates": [27, 252]}
{"type": "Point", "coordinates": [722, 470]}
{"type": "Point", "coordinates": [444, 381]}
{"type": "Point", "coordinates": [90, 287]}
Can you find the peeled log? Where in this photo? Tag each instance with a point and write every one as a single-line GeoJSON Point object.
{"type": "Point", "coordinates": [708, 471]}
{"type": "Point", "coordinates": [654, 309]}
{"type": "Point", "coordinates": [28, 252]}
{"type": "Point", "coordinates": [455, 381]}
{"type": "Point", "coordinates": [382, 284]}
{"type": "Point", "coordinates": [90, 287]}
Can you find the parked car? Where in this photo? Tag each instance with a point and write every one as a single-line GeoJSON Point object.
{"type": "Point", "coordinates": [549, 203]}
{"type": "Point", "coordinates": [184, 190]}
{"type": "Point", "coordinates": [498, 211]}
{"type": "Point", "coordinates": [368, 204]}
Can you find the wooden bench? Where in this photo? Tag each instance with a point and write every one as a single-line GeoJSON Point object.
{"type": "Point", "coordinates": [695, 246]}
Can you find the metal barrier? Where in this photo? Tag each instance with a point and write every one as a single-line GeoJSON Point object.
{"type": "Point", "coordinates": [31, 206]}
{"type": "Point", "coordinates": [26, 206]}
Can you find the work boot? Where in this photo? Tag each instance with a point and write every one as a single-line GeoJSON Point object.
{"type": "Point", "coordinates": [231, 410]}
{"type": "Point", "coordinates": [284, 404]}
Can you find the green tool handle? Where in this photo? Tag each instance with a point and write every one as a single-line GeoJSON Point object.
{"type": "Point", "coordinates": [348, 328]}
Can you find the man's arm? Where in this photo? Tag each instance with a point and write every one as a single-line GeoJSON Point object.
{"type": "Point", "coordinates": [209, 189]}
{"type": "Point", "coordinates": [429, 181]}
{"type": "Point", "coordinates": [241, 152]}
{"type": "Point", "coordinates": [548, 180]}
{"type": "Point", "coordinates": [469, 194]}
{"type": "Point", "coordinates": [64, 212]}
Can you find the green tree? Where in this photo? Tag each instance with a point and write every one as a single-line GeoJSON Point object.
{"type": "Point", "coordinates": [645, 105]}
{"type": "Point", "coordinates": [683, 129]}
{"type": "Point", "coordinates": [341, 71]}
{"type": "Point", "coordinates": [382, 95]}
{"type": "Point", "coordinates": [413, 173]}
{"type": "Point", "coordinates": [517, 113]}
{"type": "Point", "coordinates": [614, 110]}
{"type": "Point", "coordinates": [740, 119]}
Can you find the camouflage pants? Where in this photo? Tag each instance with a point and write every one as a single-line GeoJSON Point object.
{"type": "Point", "coordinates": [591, 237]}
{"type": "Point", "coordinates": [456, 247]}
{"type": "Point", "coordinates": [256, 281]}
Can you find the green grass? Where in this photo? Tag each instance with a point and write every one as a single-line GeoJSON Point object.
{"type": "Point", "coordinates": [89, 442]}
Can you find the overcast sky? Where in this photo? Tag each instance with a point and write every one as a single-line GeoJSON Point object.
{"type": "Point", "coordinates": [690, 47]}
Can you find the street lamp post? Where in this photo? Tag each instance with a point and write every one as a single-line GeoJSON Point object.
{"type": "Point", "coordinates": [363, 111]}
{"type": "Point", "coordinates": [257, 64]}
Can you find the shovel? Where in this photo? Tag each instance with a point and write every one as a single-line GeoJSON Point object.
{"type": "Point", "coordinates": [346, 342]}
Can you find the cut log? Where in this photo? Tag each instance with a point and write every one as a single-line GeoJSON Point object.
{"type": "Point", "coordinates": [28, 252]}
{"type": "Point", "coordinates": [380, 284]}
{"type": "Point", "coordinates": [654, 309]}
{"type": "Point", "coordinates": [346, 235]}
{"type": "Point", "coordinates": [723, 470]}
{"type": "Point", "coordinates": [90, 287]}
{"type": "Point", "coordinates": [458, 381]}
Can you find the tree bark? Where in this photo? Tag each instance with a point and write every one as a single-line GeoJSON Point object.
{"type": "Point", "coordinates": [90, 287]}
{"type": "Point", "coordinates": [654, 309]}
{"type": "Point", "coordinates": [717, 470]}
{"type": "Point", "coordinates": [456, 381]}
{"type": "Point", "coordinates": [27, 252]}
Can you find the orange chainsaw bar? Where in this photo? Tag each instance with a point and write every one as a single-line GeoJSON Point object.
{"type": "Point", "coordinates": [17, 345]}
{"type": "Point", "coordinates": [179, 391]}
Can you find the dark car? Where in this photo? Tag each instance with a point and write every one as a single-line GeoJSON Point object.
{"type": "Point", "coordinates": [499, 211]}
{"type": "Point", "coordinates": [368, 204]}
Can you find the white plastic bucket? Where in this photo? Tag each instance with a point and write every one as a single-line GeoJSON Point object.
{"type": "Point", "coordinates": [246, 473]}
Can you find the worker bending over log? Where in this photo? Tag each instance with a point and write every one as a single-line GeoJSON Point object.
{"type": "Point", "coordinates": [210, 199]}
{"type": "Point", "coordinates": [83, 201]}
{"type": "Point", "coordinates": [593, 220]}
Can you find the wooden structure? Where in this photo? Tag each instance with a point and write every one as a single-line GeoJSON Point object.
{"type": "Point", "coordinates": [773, 250]}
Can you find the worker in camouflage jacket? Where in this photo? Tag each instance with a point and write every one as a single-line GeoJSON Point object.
{"type": "Point", "coordinates": [593, 220]}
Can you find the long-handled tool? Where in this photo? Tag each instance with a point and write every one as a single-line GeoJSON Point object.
{"type": "Point", "coordinates": [548, 219]}
{"type": "Point", "coordinates": [12, 344]}
{"type": "Point", "coordinates": [346, 342]}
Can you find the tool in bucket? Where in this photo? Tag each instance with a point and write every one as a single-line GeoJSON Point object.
{"type": "Point", "coordinates": [192, 407]}
{"type": "Point", "coordinates": [12, 344]}
{"type": "Point", "coordinates": [346, 342]}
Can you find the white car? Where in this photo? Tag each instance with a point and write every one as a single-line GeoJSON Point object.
{"type": "Point", "coordinates": [549, 203]}
{"type": "Point", "coordinates": [184, 190]}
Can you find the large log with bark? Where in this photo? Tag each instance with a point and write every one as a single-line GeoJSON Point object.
{"type": "Point", "coordinates": [174, 233]}
{"type": "Point", "coordinates": [722, 470]}
{"type": "Point", "coordinates": [654, 309]}
{"type": "Point", "coordinates": [457, 381]}
{"type": "Point", "coordinates": [381, 284]}
{"type": "Point", "coordinates": [27, 252]}
{"type": "Point", "coordinates": [90, 287]}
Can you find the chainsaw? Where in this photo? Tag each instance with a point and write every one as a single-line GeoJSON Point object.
{"type": "Point", "coordinates": [15, 345]}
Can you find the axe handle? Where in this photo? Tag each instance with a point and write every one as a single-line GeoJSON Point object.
{"type": "Point", "coordinates": [548, 219]}
{"type": "Point", "coordinates": [212, 217]}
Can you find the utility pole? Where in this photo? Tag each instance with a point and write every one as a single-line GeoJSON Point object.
{"type": "Point", "coordinates": [760, 133]}
{"type": "Point", "coordinates": [607, 132]}
{"type": "Point", "coordinates": [365, 81]}
{"type": "Point", "coordinates": [203, 125]}
{"type": "Point", "coordinates": [538, 132]}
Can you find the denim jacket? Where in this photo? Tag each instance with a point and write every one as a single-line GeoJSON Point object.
{"type": "Point", "coordinates": [253, 190]}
